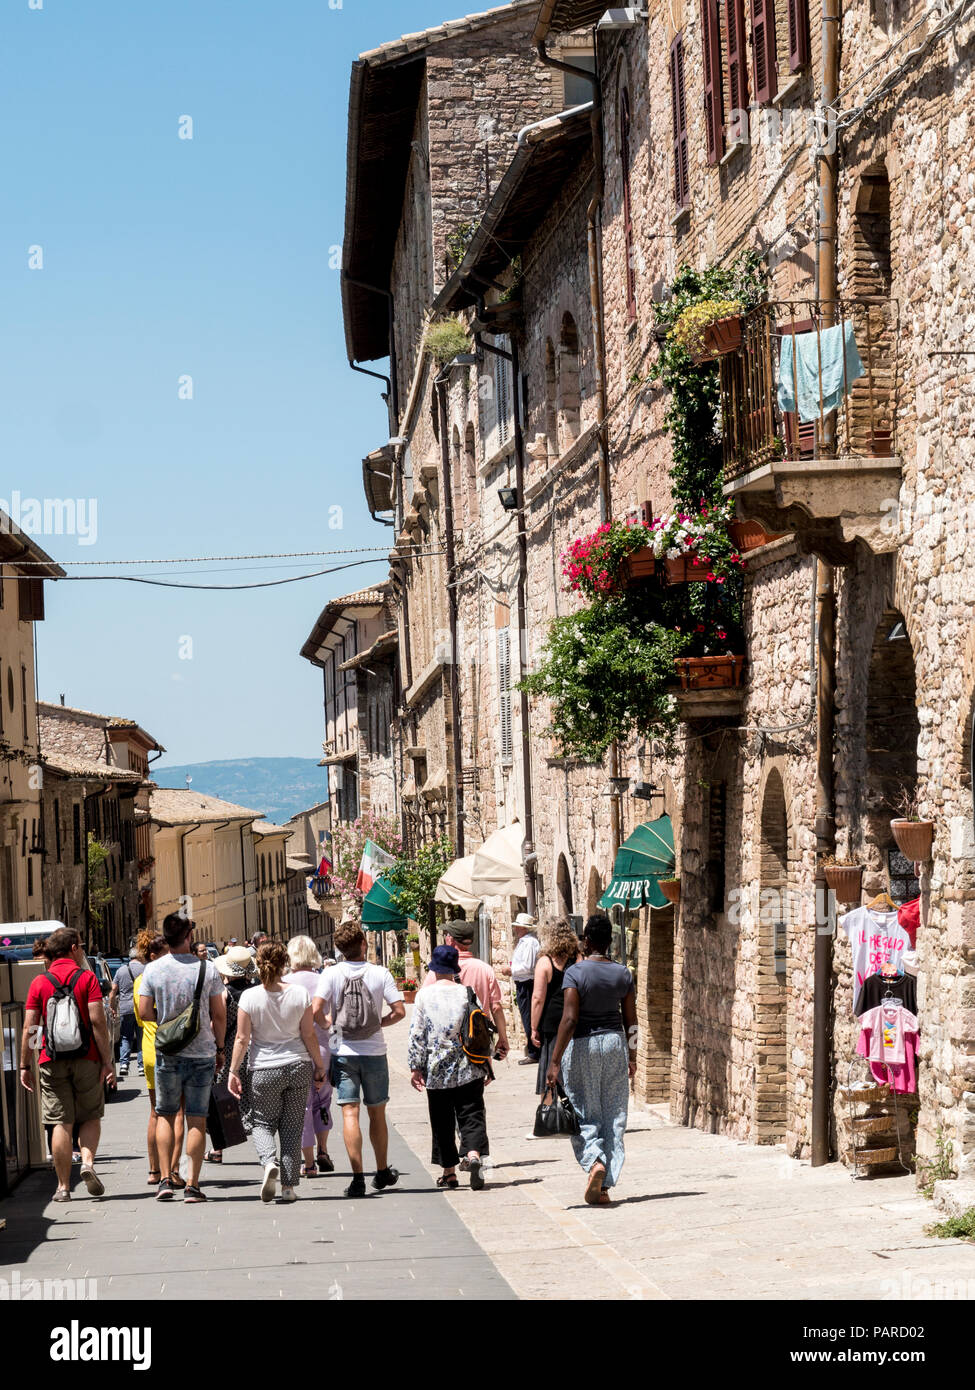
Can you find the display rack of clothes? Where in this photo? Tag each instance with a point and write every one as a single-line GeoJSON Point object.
{"type": "Point", "coordinates": [882, 939]}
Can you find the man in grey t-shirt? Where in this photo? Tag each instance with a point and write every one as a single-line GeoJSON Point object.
{"type": "Point", "coordinates": [121, 1001]}
{"type": "Point", "coordinates": [167, 988]}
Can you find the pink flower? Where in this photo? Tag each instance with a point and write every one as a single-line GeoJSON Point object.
{"type": "Point", "coordinates": [711, 577]}
{"type": "Point", "coordinates": [720, 579]}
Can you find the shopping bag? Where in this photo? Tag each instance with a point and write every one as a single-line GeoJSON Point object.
{"type": "Point", "coordinates": [555, 1115]}
{"type": "Point", "coordinates": [224, 1124]}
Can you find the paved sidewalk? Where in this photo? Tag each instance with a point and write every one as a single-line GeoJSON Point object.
{"type": "Point", "coordinates": [405, 1243]}
{"type": "Point", "coordinates": [698, 1215]}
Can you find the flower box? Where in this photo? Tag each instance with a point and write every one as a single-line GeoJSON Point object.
{"type": "Point", "coordinates": [710, 672]}
{"type": "Point", "coordinates": [749, 535]}
{"type": "Point", "coordinates": [846, 881]}
{"type": "Point", "coordinates": [641, 564]}
{"type": "Point", "coordinates": [684, 570]}
{"type": "Point", "coordinates": [719, 339]}
{"type": "Point", "coordinates": [915, 838]}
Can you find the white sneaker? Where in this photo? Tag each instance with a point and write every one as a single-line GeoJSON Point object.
{"type": "Point", "coordinates": [288, 1194]}
{"type": "Point", "coordinates": [270, 1184]}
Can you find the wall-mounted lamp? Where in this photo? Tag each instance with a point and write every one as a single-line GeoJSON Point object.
{"type": "Point", "coordinates": [508, 497]}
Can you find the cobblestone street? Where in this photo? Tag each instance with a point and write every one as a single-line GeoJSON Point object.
{"type": "Point", "coordinates": [699, 1216]}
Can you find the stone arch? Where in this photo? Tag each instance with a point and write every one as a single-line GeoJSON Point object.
{"type": "Point", "coordinates": [563, 888]}
{"type": "Point", "coordinates": [771, 1065]}
{"type": "Point", "coordinates": [569, 399]}
{"type": "Point", "coordinates": [551, 399]}
{"type": "Point", "coordinates": [891, 734]}
{"type": "Point", "coordinates": [470, 472]}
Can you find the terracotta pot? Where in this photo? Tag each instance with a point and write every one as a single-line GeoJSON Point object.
{"type": "Point", "coordinates": [409, 995]}
{"type": "Point", "coordinates": [720, 338]}
{"type": "Point", "coordinates": [710, 672]}
{"type": "Point", "coordinates": [640, 564]}
{"type": "Point", "coordinates": [749, 535]}
{"type": "Point", "coordinates": [683, 571]}
{"type": "Point", "coordinates": [670, 887]}
{"type": "Point", "coordinates": [914, 838]}
{"type": "Point", "coordinates": [846, 881]}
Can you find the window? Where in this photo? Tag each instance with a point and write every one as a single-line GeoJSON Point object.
{"type": "Point", "coordinates": [798, 34]}
{"type": "Point", "coordinates": [23, 701]}
{"type": "Point", "coordinates": [717, 803]}
{"type": "Point", "coordinates": [76, 831]}
{"type": "Point", "coordinates": [568, 384]}
{"type": "Point", "coordinates": [504, 693]}
{"type": "Point", "coordinates": [502, 393]}
{"type": "Point", "coordinates": [576, 90]}
{"type": "Point", "coordinates": [713, 93]}
{"type": "Point", "coordinates": [764, 60]}
{"type": "Point", "coordinates": [30, 877]}
{"type": "Point", "coordinates": [737, 68]}
{"type": "Point", "coordinates": [628, 203]}
{"type": "Point", "coordinates": [682, 194]}
{"type": "Point", "coordinates": [57, 830]}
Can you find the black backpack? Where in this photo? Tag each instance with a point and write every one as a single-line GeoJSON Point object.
{"type": "Point", "coordinates": [477, 1031]}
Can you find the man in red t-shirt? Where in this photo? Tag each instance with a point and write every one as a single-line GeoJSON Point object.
{"type": "Point", "coordinates": [72, 1088]}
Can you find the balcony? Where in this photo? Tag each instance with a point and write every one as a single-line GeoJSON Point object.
{"type": "Point", "coordinates": [829, 468]}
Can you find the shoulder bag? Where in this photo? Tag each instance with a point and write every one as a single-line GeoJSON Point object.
{"type": "Point", "coordinates": [177, 1033]}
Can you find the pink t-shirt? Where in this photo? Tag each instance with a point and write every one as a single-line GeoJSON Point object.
{"type": "Point", "coordinates": [888, 1039]}
{"type": "Point", "coordinates": [480, 977]}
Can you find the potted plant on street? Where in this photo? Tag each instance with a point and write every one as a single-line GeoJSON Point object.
{"type": "Point", "coordinates": [397, 968]}
{"type": "Point", "coordinates": [914, 837]}
{"type": "Point", "coordinates": [844, 877]}
{"type": "Point", "coordinates": [709, 329]}
{"type": "Point", "coordinates": [408, 988]}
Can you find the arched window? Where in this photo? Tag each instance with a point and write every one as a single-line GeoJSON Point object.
{"type": "Point", "coordinates": [470, 465]}
{"type": "Point", "coordinates": [771, 1095]}
{"type": "Point", "coordinates": [627, 204]}
{"type": "Point", "coordinates": [563, 887]}
{"type": "Point", "coordinates": [551, 400]}
{"type": "Point", "coordinates": [456, 475]}
{"type": "Point", "coordinates": [568, 384]}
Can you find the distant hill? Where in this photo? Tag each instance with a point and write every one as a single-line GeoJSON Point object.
{"type": "Point", "coordinates": [280, 787]}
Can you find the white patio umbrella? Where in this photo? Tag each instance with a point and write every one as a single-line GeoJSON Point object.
{"type": "Point", "coordinates": [498, 868]}
{"type": "Point", "coordinates": [454, 887]}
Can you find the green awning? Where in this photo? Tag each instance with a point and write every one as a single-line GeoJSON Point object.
{"type": "Point", "coordinates": [645, 857]}
{"type": "Point", "coordinates": [380, 909]}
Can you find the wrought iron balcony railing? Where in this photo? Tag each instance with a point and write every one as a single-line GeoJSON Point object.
{"type": "Point", "coordinates": [803, 346]}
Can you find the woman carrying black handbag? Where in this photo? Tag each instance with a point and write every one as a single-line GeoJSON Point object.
{"type": "Point", "coordinates": [561, 949]}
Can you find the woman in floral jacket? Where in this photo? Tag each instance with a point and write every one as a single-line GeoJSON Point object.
{"type": "Point", "coordinates": [453, 1083]}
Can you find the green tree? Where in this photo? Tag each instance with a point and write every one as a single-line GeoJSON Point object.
{"type": "Point", "coordinates": [99, 887]}
{"type": "Point", "coordinates": [416, 879]}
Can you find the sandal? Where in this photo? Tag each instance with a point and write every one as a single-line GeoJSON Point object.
{"type": "Point", "coordinates": [177, 1181]}
{"type": "Point", "coordinates": [215, 1156]}
{"type": "Point", "coordinates": [154, 1175]}
{"type": "Point", "coordinates": [448, 1181]}
{"type": "Point", "coordinates": [595, 1184]}
{"type": "Point", "coordinates": [308, 1170]}
{"type": "Point", "coordinates": [62, 1195]}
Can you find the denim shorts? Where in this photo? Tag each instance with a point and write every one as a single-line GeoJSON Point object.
{"type": "Point", "coordinates": [370, 1075]}
{"type": "Point", "coordinates": [183, 1078]}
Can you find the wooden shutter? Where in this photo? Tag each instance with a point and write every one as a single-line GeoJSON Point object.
{"type": "Point", "coordinates": [798, 34]}
{"type": "Point", "coordinates": [679, 109]}
{"type": "Point", "coordinates": [627, 204]}
{"type": "Point", "coordinates": [737, 67]}
{"type": "Point", "coordinates": [713, 94]}
{"type": "Point", "coordinates": [504, 694]}
{"type": "Point", "coordinates": [763, 50]}
{"type": "Point", "coordinates": [31, 599]}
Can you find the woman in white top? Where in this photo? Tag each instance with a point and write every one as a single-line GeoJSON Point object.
{"type": "Point", "coordinates": [275, 1030]}
{"type": "Point", "coordinates": [306, 965]}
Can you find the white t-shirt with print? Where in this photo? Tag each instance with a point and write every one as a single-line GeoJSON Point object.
{"type": "Point", "coordinates": [380, 984]}
{"type": "Point", "coordinates": [875, 937]}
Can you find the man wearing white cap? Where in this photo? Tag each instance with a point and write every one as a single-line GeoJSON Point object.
{"type": "Point", "coordinates": [522, 972]}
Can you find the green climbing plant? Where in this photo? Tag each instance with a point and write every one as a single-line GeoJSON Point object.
{"type": "Point", "coordinates": [99, 887]}
{"type": "Point", "coordinates": [415, 878]}
{"type": "Point", "coordinates": [693, 412]}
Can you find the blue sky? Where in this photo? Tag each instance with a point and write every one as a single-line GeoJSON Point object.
{"type": "Point", "coordinates": [164, 257]}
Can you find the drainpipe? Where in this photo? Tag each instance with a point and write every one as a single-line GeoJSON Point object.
{"type": "Point", "coordinates": [531, 859]}
{"type": "Point", "coordinates": [393, 401]}
{"type": "Point", "coordinates": [826, 166]}
{"type": "Point", "coordinates": [599, 338]}
{"type": "Point", "coordinates": [446, 486]}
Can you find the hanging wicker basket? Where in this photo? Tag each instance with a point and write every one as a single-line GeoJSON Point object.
{"type": "Point", "coordinates": [871, 1156]}
{"type": "Point", "coordinates": [873, 1124]}
{"type": "Point", "coordinates": [863, 1093]}
{"type": "Point", "coordinates": [846, 881]}
{"type": "Point", "coordinates": [915, 838]}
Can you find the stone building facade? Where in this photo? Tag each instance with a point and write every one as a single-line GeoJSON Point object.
{"type": "Point", "coordinates": [704, 146]}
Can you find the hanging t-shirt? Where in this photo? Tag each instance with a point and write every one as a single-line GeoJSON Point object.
{"type": "Point", "coordinates": [902, 987]}
{"type": "Point", "coordinates": [875, 938]}
{"type": "Point", "coordinates": [888, 1039]}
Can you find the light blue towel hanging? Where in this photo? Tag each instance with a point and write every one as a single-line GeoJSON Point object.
{"type": "Point", "coordinates": [826, 351]}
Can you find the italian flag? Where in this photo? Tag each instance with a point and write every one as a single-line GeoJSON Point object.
{"type": "Point", "coordinates": [374, 860]}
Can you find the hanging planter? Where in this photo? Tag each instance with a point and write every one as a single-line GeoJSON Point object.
{"type": "Point", "coordinates": [719, 339]}
{"type": "Point", "coordinates": [640, 564]}
{"type": "Point", "coordinates": [709, 329]}
{"type": "Point", "coordinates": [670, 887]}
{"type": "Point", "coordinates": [914, 838]}
{"type": "Point", "coordinates": [686, 569]}
{"type": "Point", "coordinates": [710, 672]}
{"type": "Point", "coordinates": [749, 535]}
{"type": "Point", "coordinates": [845, 880]}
